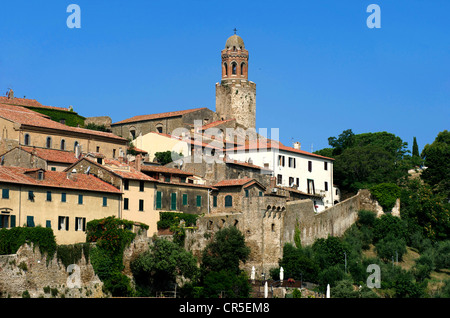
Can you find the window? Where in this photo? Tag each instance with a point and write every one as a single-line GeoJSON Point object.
{"type": "Point", "coordinates": [48, 142]}
{"type": "Point", "coordinates": [233, 68]}
{"type": "Point", "coordinates": [215, 201]}
{"type": "Point", "coordinates": [63, 197]}
{"type": "Point", "coordinates": [75, 145]}
{"type": "Point", "coordinates": [167, 178]}
{"type": "Point", "coordinates": [281, 161]}
{"type": "Point", "coordinates": [40, 175]}
{"type": "Point", "coordinates": [114, 153]}
{"type": "Point", "coordinates": [141, 205]}
{"type": "Point", "coordinates": [53, 168]}
{"type": "Point", "coordinates": [183, 179]}
{"type": "Point", "coordinates": [30, 221]}
{"type": "Point", "coordinates": [173, 201]}
{"type": "Point", "coordinates": [279, 179]}
{"type": "Point", "coordinates": [126, 184]}
{"type": "Point", "coordinates": [63, 144]}
{"type": "Point", "coordinates": [125, 203]}
{"type": "Point", "coordinates": [48, 224]}
{"type": "Point", "coordinates": [199, 200]}
{"type": "Point", "coordinates": [158, 199]}
{"type": "Point", "coordinates": [105, 201]}
{"type": "Point", "coordinates": [310, 166]}
{"type": "Point", "coordinates": [260, 193]}
{"type": "Point", "coordinates": [310, 186]}
{"type": "Point", "coordinates": [98, 149]}
{"type": "Point", "coordinates": [31, 195]}
{"type": "Point", "coordinates": [63, 223]}
{"type": "Point", "coordinates": [159, 129]}
{"type": "Point", "coordinates": [325, 165]}
{"type": "Point", "coordinates": [80, 199]}
{"type": "Point", "coordinates": [242, 68]}
{"type": "Point", "coordinates": [228, 201]}
{"type": "Point", "coordinates": [26, 140]}
{"type": "Point", "coordinates": [326, 186]}
{"type": "Point", "coordinates": [5, 193]}
{"type": "Point", "coordinates": [291, 181]}
{"type": "Point", "coordinates": [141, 186]}
{"type": "Point", "coordinates": [226, 68]}
{"type": "Point", "coordinates": [4, 221]}
{"type": "Point", "coordinates": [49, 196]}
{"type": "Point", "coordinates": [185, 199]}
{"type": "Point", "coordinates": [291, 162]}
{"type": "Point", "coordinates": [80, 224]}
{"type": "Point", "coordinates": [246, 193]}
{"type": "Point", "coordinates": [297, 182]}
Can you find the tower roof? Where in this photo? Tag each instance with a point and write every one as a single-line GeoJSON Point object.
{"type": "Point", "coordinates": [235, 40]}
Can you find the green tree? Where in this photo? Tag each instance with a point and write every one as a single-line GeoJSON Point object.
{"type": "Point", "coordinates": [437, 173]}
{"type": "Point", "coordinates": [226, 284]}
{"type": "Point", "coordinates": [159, 267]}
{"type": "Point", "coordinates": [166, 157]}
{"type": "Point", "coordinates": [297, 264]}
{"type": "Point", "coordinates": [225, 251]}
{"type": "Point", "coordinates": [329, 252]}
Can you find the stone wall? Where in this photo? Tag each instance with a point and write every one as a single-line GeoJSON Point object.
{"type": "Point", "coordinates": [27, 270]}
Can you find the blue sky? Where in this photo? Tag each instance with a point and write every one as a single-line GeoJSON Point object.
{"type": "Point", "coordinates": [318, 68]}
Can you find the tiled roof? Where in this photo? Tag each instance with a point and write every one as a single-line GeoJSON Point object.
{"type": "Point", "coordinates": [55, 179]}
{"type": "Point", "coordinates": [123, 170]}
{"type": "Point", "coordinates": [164, 169]}
{"type": "Point", "coordinates": [52, 155]}
{"type": "Point", "coordinates": [257, 145]}
{"type": "Point", "coordinates": [233, 182]}
{"type": "Point", "coordinates": [28, 103]}
{"type": "Point", "coordinates": [191, 140]}
{"type": "Point", "coordinates": [216, 123]}
{"type": "Point", "coordinates": [156, 116]}
{"type": "Point", "coordinates": [245, 164]}
{"type": "Point", "coordinates": [28, 117]}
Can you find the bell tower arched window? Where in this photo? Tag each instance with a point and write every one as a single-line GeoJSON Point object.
{"type": "Point", "coordinates": [226, 68]}
{"type": "Point", "coordinates": [233, 68]}
{"type": "Point", "coordinates": [242, 68]}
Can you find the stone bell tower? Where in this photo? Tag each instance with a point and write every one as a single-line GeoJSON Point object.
{"type": "Point", "coordinates": [235, 94]}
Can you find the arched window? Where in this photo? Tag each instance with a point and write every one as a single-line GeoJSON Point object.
{"type": "Point", "coordinates": [48, 142]}
{"type": "Point", "coordinates": [226, 68]}
{"type": "Point", "coordinates": [242, 68]}
{"type": "Point", "coordinates": [63, 144]}
{"type": "Point", "coordinates": [228, 201]}
{"type": "Point", "coordinates": [75, 145]}
{"type": "Point", "coordinates": [26, 140]}
{"type": "Point", "coordinates": [233, 68]}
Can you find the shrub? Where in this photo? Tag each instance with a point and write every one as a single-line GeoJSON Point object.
{"type": "Point", "coordinates": [386, 194]}
{"type": "Point", "coordinates": [391, 246]}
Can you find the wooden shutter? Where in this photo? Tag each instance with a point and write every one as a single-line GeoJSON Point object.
{"type": "Point", "coordinates": [158, 199]}
{"type": "Point", "coordinates": [173, 201]}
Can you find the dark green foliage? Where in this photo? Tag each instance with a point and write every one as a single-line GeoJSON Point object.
{"type": "Point", "coordinates": [166, 157]}
{"type": "Point", "coordinates": [225, 252]}
{"type": "Point", "coordinates": [70, 118]}
{"type": "Point", "coordinates": [388, 225]}
{"type": "Point", "coordinates": [158, 268]}
{"type": "Point", "coordinates": [391, 247]}
{"type": "Point", "coordinates": [225, 284]}
{"type": "Point", "coordinates": [386, 194]}
{"type": "Point", "coordinates": [169, 219]}
{"type": "Point", "coordinates": [71, 254]}
{"type": "Point", "coordinates": [329, 252]}
{"type": "Point", "coordinates": [93, 126]}
{"type": "Point", "coordinates": [112, 236]}
{"type": "Point", "coordinates": [437, 173]}
{"type": "Point", "coordinates": [297, 264]}
{"type": "Point", "coordinates": [12, 239]}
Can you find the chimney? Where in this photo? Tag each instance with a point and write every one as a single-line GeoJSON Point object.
{"type": "Point", "coordinates": [297, 145]}
{"type": "Point", "coordinates": [138, 162]}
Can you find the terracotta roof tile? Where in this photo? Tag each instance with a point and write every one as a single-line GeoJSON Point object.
{"type": "Point", "coordinates": [28, 103]}
{"type": "Point", "coordinates": [164, 169]}
{"type": "Point", "coordinates": [52, 155]}
{"type": "Point", "coordinates": [55, 179]}
{"type": "Point", "coordinates": [233, 182]}
{"type": "Point", "coordinates": [156, 116]}
{"type": "Point", "coordinates": [28, 117]}
{"type": "Point", "coordinates": [256, 145]}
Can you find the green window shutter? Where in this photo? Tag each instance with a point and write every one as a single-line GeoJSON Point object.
{"type": "Point", "coordinates": [13, 221]}
{"type": "Point", "coordinates": [199, 200]}
{"type": "Point", "coordinates": [30, 221]}
{"type": "Point", "coordinates": [105, 201]}
{"type": "Point", "coordinates": [215, 201]}
{"type": "Point", "coordinates": [158, 199]}
{"type": "Point", "coordinates": [246, 193]}
{"type": "Point", "coordinates": [185, 199]}
{"type": "Point", "coordinates": [48, 224]}
{"type": "Point", "coordinates": [173, 201]}
{"type": "Point", "coordinates": [63, 197]}
{"type": "Point", "coordinates": [80, 199]}
{"type": "Point", "coordinates": [228, 201]}
{"type": "Point", "coordinates": [49, 195]}
{"type": "Point", "coordinates": [5, 193]}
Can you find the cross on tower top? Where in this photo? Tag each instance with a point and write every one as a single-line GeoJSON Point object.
{"type": "Point", "coordinates": [235, 30]}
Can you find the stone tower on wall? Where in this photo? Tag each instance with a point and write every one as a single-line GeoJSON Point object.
{"type": "Point", "coordinates": [235, 94]}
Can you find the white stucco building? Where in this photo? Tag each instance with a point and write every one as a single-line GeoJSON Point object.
{"type": "Point", "coordinates": [293, 167]}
